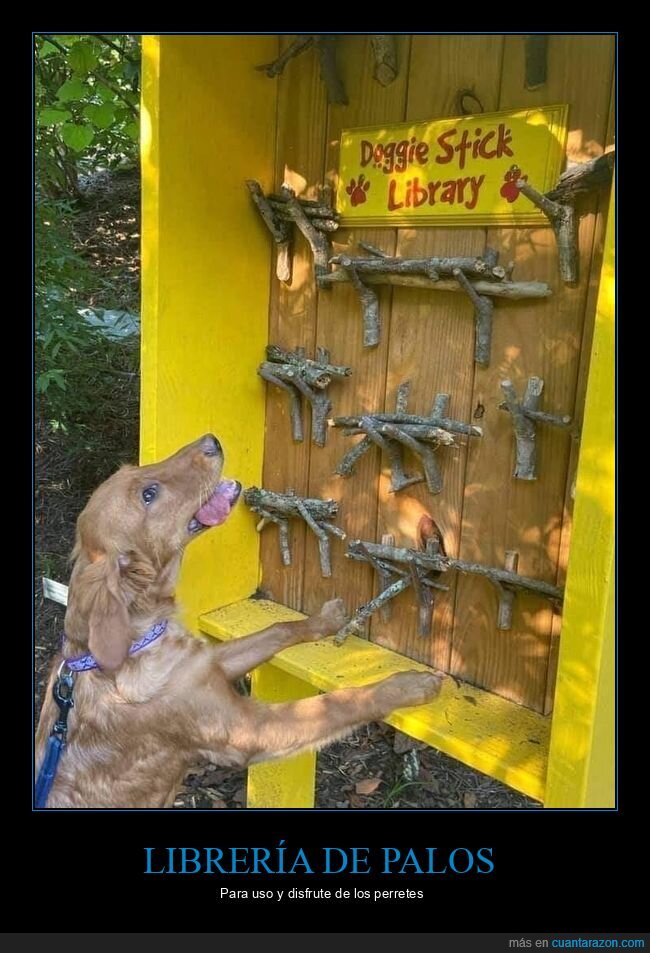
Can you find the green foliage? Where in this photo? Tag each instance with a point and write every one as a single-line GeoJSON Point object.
{"type": "Point", "coordinates": [62, 284]}
{"type": "Point", "coordinates": [79, 371]}
{"type": "Point", "coordinates": [86, 111]}
{"type": "Point", "coordinates": [87, 103]}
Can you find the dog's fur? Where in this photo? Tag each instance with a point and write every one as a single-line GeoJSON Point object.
{"type": "Point", "coordinates": [140, 721]}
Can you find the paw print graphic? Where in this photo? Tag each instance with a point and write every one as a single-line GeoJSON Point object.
{"type": "Point", "coordinates": [357, 190]}
{"type": "Point", "coordinates": [509, 189]}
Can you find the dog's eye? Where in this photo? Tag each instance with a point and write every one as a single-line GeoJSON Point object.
{"type": "Point", "coordinates": [149, 494]}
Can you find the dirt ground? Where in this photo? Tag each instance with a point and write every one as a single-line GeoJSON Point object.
{"type": "Point", "coordinates": [376, 767]}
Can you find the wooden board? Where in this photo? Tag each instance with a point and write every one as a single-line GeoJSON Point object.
{"type": "Point", "coordinates": [582, 757]}
{"type": "Point", "coordinates": [340, 330]}
{"type": "Point", "coordinates": [205, 293]}
{"type": "Point", "coordinates": [432, 342]}
{"type": "Point", "coordinates": [300, 152]}
{"type": "Point", "coordinates": [601, 219]}
{"type": "Point", "coordinates": [428, 337]}
{"type": "Point", "coordinates": [541, 338]}
{"type": "Point", "coordinates": [488, 733]}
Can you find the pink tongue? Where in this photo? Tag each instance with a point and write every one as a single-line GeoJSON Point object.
{"type": "Point", "coordinates": [217, 509]}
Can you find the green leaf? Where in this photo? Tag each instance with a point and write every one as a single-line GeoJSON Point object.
{"type": "Point", "coordinates": [44, 380]}
{"type": "Point", "coordinates": [52, 117]}
{"type": "Point", "coordinates": [58, 378]}
{"type": "Point", "coordinates": [105, 94]}
{"type": "Point", "coordinates": [73, 89]}
{"type": "Point", "coordinates": [77, 137]}
{"type": "Point", "coordinates": [133, 131]}
{"type": "Point", "coordinates": [100, 116]}
{"type": "Point", "coordinates": [82, 58]}
{"type": "Point", "coordinates": [47, 49]}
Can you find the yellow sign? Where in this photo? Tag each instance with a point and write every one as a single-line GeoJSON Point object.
{"type": "Point", "coordinates": [451, 171]}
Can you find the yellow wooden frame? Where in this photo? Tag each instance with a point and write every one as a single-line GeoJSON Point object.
{"type": "Point", "coordinates": [206, 267]}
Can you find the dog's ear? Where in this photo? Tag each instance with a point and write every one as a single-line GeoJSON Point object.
{"type": "Point", "coordinates": [98, 609]}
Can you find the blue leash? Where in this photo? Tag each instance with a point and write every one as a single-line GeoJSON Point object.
{"type": "Point", "coordinates": [62, 692]}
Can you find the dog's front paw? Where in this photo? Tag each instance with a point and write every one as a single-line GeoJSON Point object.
{"type": "Point", "coordinates": [329, 620]}
{"type": "Point", "coordinates": [411, 688]}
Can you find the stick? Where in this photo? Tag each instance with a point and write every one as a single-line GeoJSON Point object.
{"type": "Point", "coordinates": [506, 594]}
{"type": "Point", "coordinates": [384, 575]}
{"type": "Point", "coordinates": [285, 504]}
{"type": "Point", "coordinates": [363, 613]}
{"type": "Point", "coordinates": [283, 262]}
{"type": "Point", "coordinates": [352, 457]}
{"type": "Point", "coordinates": [280, 355]}
{"type": "Point", "coordinates": [299, 376]}
{"type": "Point", "coordinates": [323, 541]}
{"type": "Point", "coordinates": [369, 304]}
{"type": "Point", "coordinates": [439, 563]}
{"type": "Point", "coordinates": [402, 397]}
{"type": "Point", "coordinates": [317, 240]}
{"type": "Point", "coordinates": [312, 209]}
{"type": "Point", "coordinates": [413, 431]}
{"type": "Point", "coordinates": [584, 177]}
{"type": "Point", "coordinates": [511, 290]}
{"type": "Point", "coordinates": [296, 407]}
{"type": "Point", "coordinates": [283, 527]}
{"type": "Point", "coordinates": [432, 473]}
{"type": "Point", "coordinates": [384, 51]}
{"type": "Point", "coordinates": [564, 223]}
{"type": "Point", "coordinates": [483, 310]}
{"type": "Point", "coordinates": [326, 46]}
{"type": "Point", "coordinates": [525, 431]}
{"type": "Point", "coordinates": [278, 508]}
{"type": "Point", "coordinates": [299, 45]}
{"type": "Point", "coordinates": [399, 479]}
{"type": "Point", "coordinates": [411, 420]}
{"type": "Point", "coordinates": [279, 232]}
{"type": "Point", "coordinates": [536, 56]}
{"type": "Point", "coordinates": [391, 432]}
{"type": "Point", "coordinates": [377, 252]}
{"type": "Point", "coordinates": [525, 416]}
{"type": "Point", "coordinates": [431, 268]}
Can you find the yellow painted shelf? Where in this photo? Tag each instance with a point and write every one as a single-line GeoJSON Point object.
{"type": "Point", "coordinates": [481, 729]}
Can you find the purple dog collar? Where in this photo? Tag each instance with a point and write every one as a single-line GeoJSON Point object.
{"type": "Point", "coordinates": [85, 663]}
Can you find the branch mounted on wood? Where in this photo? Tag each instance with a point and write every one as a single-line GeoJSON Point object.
{"type": "Point", "coordinates": [508, 290]}
{"type": "Point", "coordinates": [483, 312]}
{"type": "Point", "coordinates": [303, 378]}
{"type": "Point", "coordinates": [393, 580]}
{"type": "Point", "coordinates": [384, 51]}
{"type": "Point", "coordinates": [564, 223]}
{"type": "Point", "coordinates": [559, 207]}
{"type": "Point", "coordinates": [480, 278]}
{"type": "Point", "coordinates": [315, 220]}
{"type": "Point", "coordinates": [393, 432]}
{"type": "Point", "coordinates": [279, 508]}
{"type": "Point", "coordinates": [583, 177]}
{"type": "Point", "coordinates": [536, 60]}
{"type": "Point", "coordinates": [325, 44]}
{"type": "Point", "coordinates": [403, 565]}
{"type": "Point", "coordinates": [526, 415]}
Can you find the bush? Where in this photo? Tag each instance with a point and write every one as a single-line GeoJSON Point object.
{"type": "Point", "coordinates": [86, 91]}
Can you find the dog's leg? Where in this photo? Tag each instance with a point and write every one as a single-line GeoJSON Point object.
{"type": "Point", "coordinates": [278, 731]}
{"type": "Point", "coordinates": [243, 655]}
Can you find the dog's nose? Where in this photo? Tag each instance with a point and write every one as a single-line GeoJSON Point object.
{"type": "Point", "coordinates": [210, 445]}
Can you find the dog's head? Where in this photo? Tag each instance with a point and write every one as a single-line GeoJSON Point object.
{"type": "Point", "coordinates": [130, 541]}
